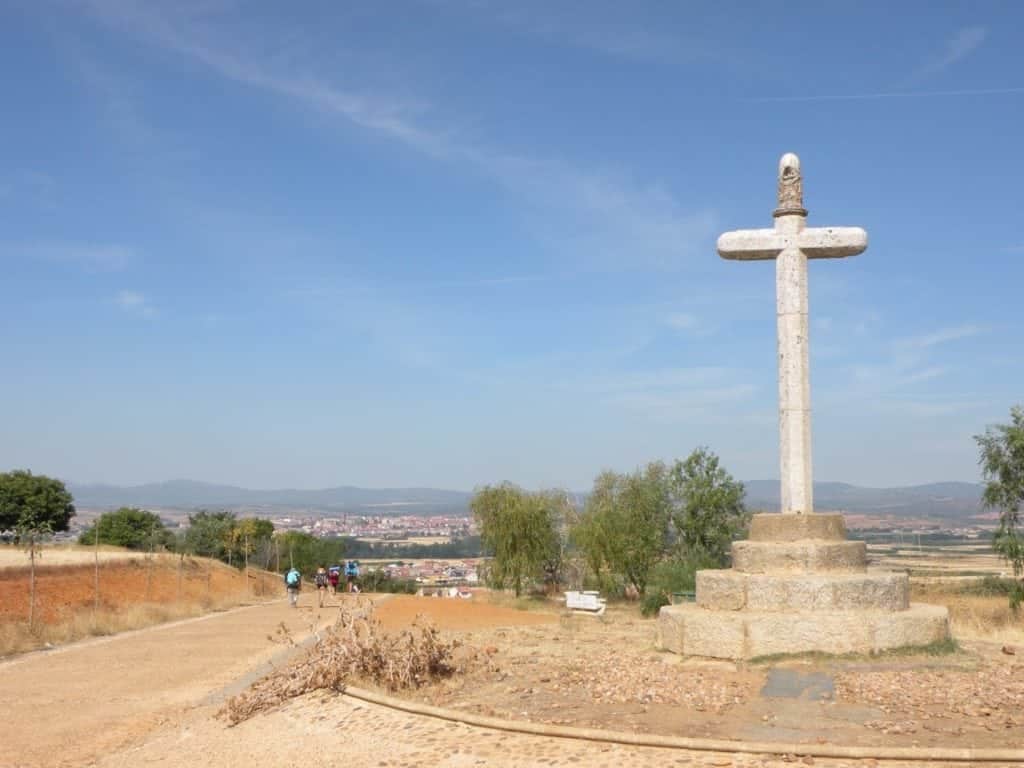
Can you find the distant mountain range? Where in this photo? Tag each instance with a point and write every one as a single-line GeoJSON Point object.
{"type": "Point", "coordinates": [936, 500]}
{"type": "Point", "coordinates": [190, 494]}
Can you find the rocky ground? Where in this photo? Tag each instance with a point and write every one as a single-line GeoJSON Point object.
{"type": "Point", "coordinates": [606, 673]}
{"type": "Point", "coordinates": [150, 698]}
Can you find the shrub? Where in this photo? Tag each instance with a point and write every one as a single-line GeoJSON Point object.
{"type": "Point", "coordinates": [380, 581]}
{"type": "Point", "coordinates": [652, 603]}
{"type": "Point", "coordinates": [354, 647]}
{"type": "Point", "coordinates": [679, 574]}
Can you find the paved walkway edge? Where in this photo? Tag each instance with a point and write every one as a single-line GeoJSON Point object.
{"type": "Point", "coordinates": [966, 754]}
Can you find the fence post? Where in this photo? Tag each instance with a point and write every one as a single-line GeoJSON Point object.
{"type": "Point", "coordinates": [96, 570]}
{"type": "Point", "coordinates": [31, 580]}
{"type": "Point", "coordinates": [181, 562]}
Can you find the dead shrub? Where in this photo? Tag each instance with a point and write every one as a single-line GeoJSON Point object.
{"type": "Point", "coordinates": [355, 647]}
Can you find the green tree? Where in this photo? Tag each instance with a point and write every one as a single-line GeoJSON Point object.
{"type": "Point", "coordinates": [1002, 465]}
{"type": "Point", "coordinates": [555, 505]}
{"type": "Point", "coordinates": [248, 536]}
{"type": "Point", "coordinates": [128, 527]}
{"type": "Point", "coordinates": [707, 506]}
{"type": "Point", "coordinates": [518, 530]}
{"type": "Point", "coordinates": [209, 533]}
{"type": "Point", "coordinates": [33, 504]}
{"type": "Point", "coordinates": [624, 526]}
{"type": "Point", "coordinates": [589, 537]}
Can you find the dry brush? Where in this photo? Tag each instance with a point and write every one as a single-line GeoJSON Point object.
{"type": "Point", "coordinates": [356, 647]}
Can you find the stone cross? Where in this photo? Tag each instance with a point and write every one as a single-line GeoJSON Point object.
{"type": "Point", "coordinates": [791, 244]}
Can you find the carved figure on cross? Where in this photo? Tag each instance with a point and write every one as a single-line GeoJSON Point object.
{"type": "Point", "coordinates": [791, 243]}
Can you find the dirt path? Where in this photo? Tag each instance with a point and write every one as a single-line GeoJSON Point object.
{"type": "Point", "coordinates": [149, 699]}
{"type": "Point", "coordinates": [69, 707]}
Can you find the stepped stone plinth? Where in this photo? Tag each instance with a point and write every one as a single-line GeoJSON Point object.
{"type": "Point", "coordinates": [798, 585]}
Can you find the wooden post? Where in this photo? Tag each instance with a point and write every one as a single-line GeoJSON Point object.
{"type": "Point", "coordinates": [96, 570]}
{"type": "Point", "coordinates": [245, 543]}
{"type": "Point", "coordinates": [31, 580]}
{"type": "Point", "coordinates": [181, 563]}
{"type": "Point", "coordinates": [149, 568]}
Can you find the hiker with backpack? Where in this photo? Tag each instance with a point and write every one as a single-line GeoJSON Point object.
{"type": "Point", "coordinates": [352, 575]}
{"type": "Point", "coordinates": [333, 577]}
{"type": "Point", "coordinates": [321, 585]}
{"type": "Point", "coordinates": [293, 583]}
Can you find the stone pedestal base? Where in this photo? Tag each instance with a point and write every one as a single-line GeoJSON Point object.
{"type": "Point", "coordinates": [797, 585]}
{"type": "Point", "coordinates": [696, 631]}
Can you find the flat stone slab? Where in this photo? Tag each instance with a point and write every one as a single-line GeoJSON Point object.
{"type": "Point", "coordinates": [695, 631]}
{"type": "Point", "coordinates": [792, 527]}
{"type": "Point", "coordinates": [804, 555]}
{"type": "Point", "coordinates": [722, 590]}
{"type": "Point", "coordinates": [792, 684]}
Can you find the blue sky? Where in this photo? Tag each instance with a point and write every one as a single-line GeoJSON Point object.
{"type": "Point", "coordinates": [453, 242]}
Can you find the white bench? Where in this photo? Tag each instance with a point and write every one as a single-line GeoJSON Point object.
{"type": "Point", "coordinates": [586, 602]}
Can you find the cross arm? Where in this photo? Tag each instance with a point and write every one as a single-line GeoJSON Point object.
{"type": "Point", "coordinates": [817, 243]}
{"type": "Point", "coordinates": [832, 242]}
{"type": "Point", "coordinates": [751, 244]}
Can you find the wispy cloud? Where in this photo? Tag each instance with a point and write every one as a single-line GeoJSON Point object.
{"type": "Point", "coordinates": [627, 223]}
{"type": "Point", "coordinates": [928, 408]}
{"type": "Point", "coordinates": [663, 380]}
{"type": "Point", "coordinates": [681, 321]}
{"type": "Point", "coordinates": [908, 362]}
{"type": "Point", "coordinates": [28, 184]}
{"type": "Point", "coordinates": [891, 95]}
{"type": "Point", "coordinates": [683, 404]}
{"type": "Point", "coordinates": [133, 301]}
{"type": "Point", "coordinates": [103, 257]}
{"type": "Point", "coordinates": [961, 45]}
{"type": "Point", "coordinates": [620, 35]}
{"type": "Point", "coordinates": [485, 282]}
{"type": "Point", "coordinates": [940, 336]}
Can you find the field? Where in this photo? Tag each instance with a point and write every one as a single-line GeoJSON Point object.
{"type": "Point", "coordinates": [128, 590]}
{"type": "Point", "coordinates": [950, 558]}
{"type": "Point", "coordinates": [407, 542]}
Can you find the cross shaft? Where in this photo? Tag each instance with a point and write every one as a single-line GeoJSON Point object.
{"type": "Point", "coordinates": [790, 243]}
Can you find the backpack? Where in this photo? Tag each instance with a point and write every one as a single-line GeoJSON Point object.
{"type": "Point", "coordinates": [321, 579]}
{"type": "Point", "coordinates": [292, 579]}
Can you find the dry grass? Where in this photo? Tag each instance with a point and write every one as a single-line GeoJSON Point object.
{"type": "Point", "coordinates": [133, 595]}
{"type": "Point", "coordinates": [16, 637]}
{"type": "Point", "coordinates": [13, 556]}
{"type": "Point", "coordinates": [356, 647]}
{"type": "Point", "coordinates": [974, 616]}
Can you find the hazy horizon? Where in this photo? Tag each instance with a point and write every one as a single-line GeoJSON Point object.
{"type": "Point", "coordinates": [749, 481]}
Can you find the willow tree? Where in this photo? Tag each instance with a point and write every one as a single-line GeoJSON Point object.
{"type": "Point", "coordinates": [519, 531]}
{"type": "Point", "coordinates": [1002, 465]}
{"type": "Point", "coordinates": [624, 526]}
